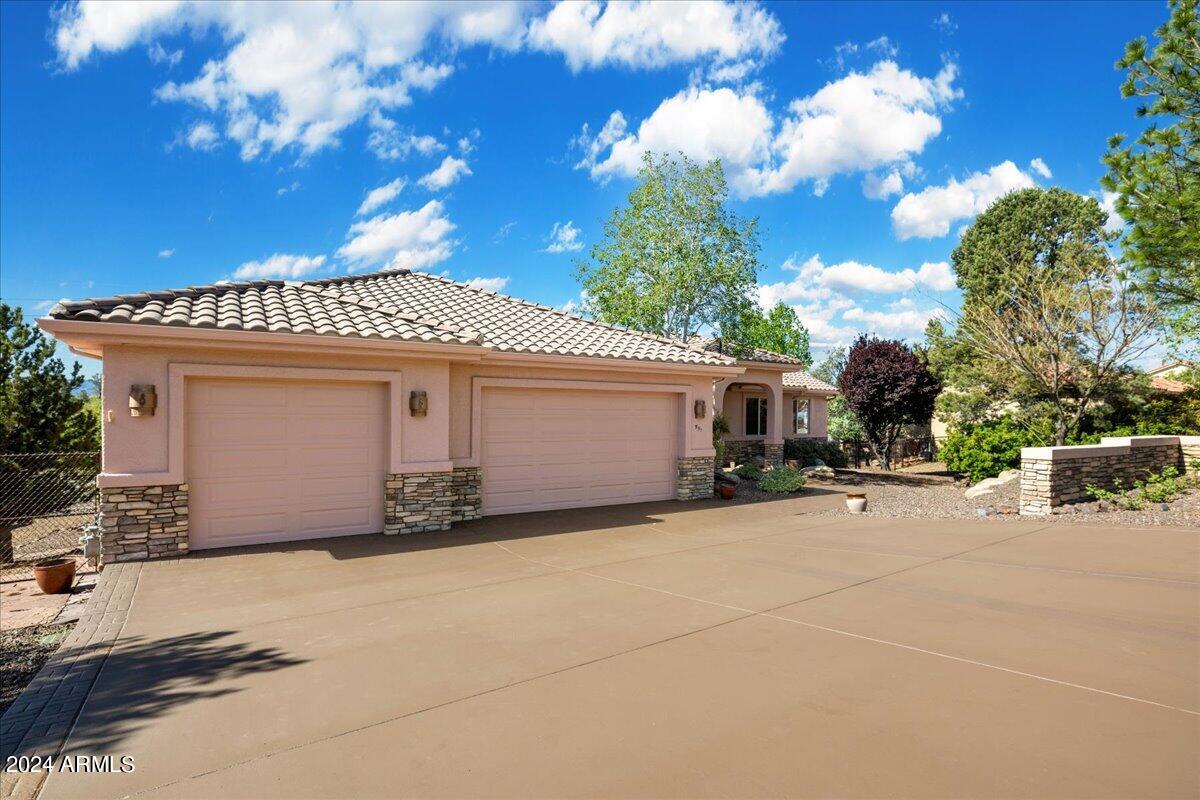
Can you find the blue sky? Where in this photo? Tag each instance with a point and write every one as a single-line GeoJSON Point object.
{"type": "Point", "coordinates": [149, 147]}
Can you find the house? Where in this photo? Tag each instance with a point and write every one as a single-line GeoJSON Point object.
{"type": "Point", "coordinates": [397, 401]}
{"type": "Point", "coordinates": [769, 382]}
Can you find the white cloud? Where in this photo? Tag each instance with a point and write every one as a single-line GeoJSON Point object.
{"type": "Point", "coordinates": [166, 252]}
{"type": "Point", "coordinates": [943, 24]}
{"type": "Point", "coordinates": [882, 46]}
{"type": "Point", "coordinates": [877, 188]}
{"type": "Point", "coordinates": [159, 55]}
{"type": "Point", "coordinates": [446, 174]}
{"type": "Point", "coordinates": [564, 238]}
{"type": "Point", "coordinates": [816, 280]}
{"type": "Point", "coordinates": [860, 122]}
{"type": "Point", "coordinates": [1039, 166]}
{"type": "Point", "coordinates": [503, 231]}
{"type": "Point", "coordinates": [412, 239]}
{"type": "Point", "coordinates": [291, 187]}
{"type": "Point", "coordinates": [202, 136]}
{"type": "Point", "coordinates": [280, 265]}
{"type": "Point", "coordinates": [929, 213]}
{"type": "Point", "coordinates": [1108, 202]}
{"type": "Point", "coordinates": [389, 143]}
{"type": "Point", "coordinates": [903, 323]}
{"type": "Point", "coordinates": [379, 196]}
{"type": "Point", "coordinates": [655, 34]}
{"type": "Point", "coordinates": [489, 284]}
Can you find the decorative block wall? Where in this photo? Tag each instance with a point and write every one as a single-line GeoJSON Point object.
{"type": "Point", "coordinates": [694, 478]}
{"type": "Point", "coordinates": [773, 454]}
{"type": "Point", "coordinates": [1056, 476]}
{"type": "Point", "coordinates": [141, 522]}
{"type": "Point", "coordinates": [415, 502]}
{"type": "Point", "coordinates": [742, 451]}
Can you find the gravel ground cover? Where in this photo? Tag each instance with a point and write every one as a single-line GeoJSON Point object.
{"type": "Point", "coordinates": [22, 653]}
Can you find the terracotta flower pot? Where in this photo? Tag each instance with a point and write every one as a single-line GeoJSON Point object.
{"type": "Point", "coordinates": [726, 490]}
{"type": "Point", "coordinates": [856, 502]}
{"type": "Point", "coordinates": [55, 575]}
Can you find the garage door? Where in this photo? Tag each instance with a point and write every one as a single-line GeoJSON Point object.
{"type": "Point", "coordinates": [544, 449]}
{"type": "Point", "coordinates": [271, 461]}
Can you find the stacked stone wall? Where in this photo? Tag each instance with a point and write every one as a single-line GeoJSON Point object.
{"type": "Point", "coordinates": [142, 522]}
{"type": "Point", "coordinates": [773, 454]}
{"type": "Point", "coordinates": [416, 502]}
{"type": "Point", "coordinates": [694, 480]}
{"type": "Point", "coordinates": [742, 451]}
{"type": "Point", "coordinates": [1056, 476]}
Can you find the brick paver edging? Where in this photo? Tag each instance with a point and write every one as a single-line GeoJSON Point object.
{"type": "Point", "coordinates": [37, 723]}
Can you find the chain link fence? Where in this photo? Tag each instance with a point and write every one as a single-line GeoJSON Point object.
{"type": "Point", "coordinates": [46, 499]}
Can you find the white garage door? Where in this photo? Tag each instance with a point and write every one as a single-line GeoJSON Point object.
{"type": "Point", "coordinates": [552, 448]}
{"type": "Point", "coordinates": [273, 461]}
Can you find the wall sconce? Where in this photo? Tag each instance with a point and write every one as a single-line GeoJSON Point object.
{"type": "Point", "coordinates": [700, 409]}
{"type": "Point", "coordinates": [142, 400]}
{"type": "Point", "coordinates": [418, 402]}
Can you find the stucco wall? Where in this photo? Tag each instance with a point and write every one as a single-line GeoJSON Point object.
{"type": "Point", "coordinates": [141, 445]}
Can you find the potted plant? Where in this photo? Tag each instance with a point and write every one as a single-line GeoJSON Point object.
{"type": "Point", "coordinates": [55, 575]}
{"type": "Point", "coordinates": [856, 502]}
{"type": "Point", "coordinates": [726, 490]}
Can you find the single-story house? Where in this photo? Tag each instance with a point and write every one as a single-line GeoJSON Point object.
{"type": "Point", "coordinates": [397, 401]}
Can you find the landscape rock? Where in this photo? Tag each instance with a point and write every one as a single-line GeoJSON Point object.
{"type": "Point", "coordinates": [989, 485]}
{"type": "Point", "coordinates": [819, 472]}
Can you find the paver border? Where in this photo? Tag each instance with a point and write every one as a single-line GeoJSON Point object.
{"type": "Point", "coordinates": [40, 719]}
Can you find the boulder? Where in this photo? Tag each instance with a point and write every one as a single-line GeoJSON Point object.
{"type": "Point", "coordinates": [727, 477]}
{"type": "Point", "coordinates": [989, 485]}
{"type": "Point", "coordinates": [821, 472]}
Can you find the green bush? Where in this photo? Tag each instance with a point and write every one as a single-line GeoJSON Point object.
{"type": "Point", "coordinates": [809, 451]}
{"type": "Point", "coordinates": [781, 480]}
{"type": "Point", "coordinates": [987, 449]}
{"type": "Point", "coordinates": [751, 472]}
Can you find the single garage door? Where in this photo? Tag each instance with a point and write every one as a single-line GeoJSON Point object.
{"type": "Point", "coordinates": [550, 448]}
{"type": "Point", "coordinates": [273, 461]}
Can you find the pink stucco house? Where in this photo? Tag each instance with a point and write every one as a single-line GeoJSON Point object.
{"type": "Point", "coordinates": [398, 402]}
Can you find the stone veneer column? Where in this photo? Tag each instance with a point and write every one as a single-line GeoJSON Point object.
{"type": "Point", "coordinates": [694, 478]}
{"type": "Point", "coordinates": [773, 454]}
{"type": "Point", "coordinates": [141, 522]}
{"type": "Point", "coordinates": [415, 502]}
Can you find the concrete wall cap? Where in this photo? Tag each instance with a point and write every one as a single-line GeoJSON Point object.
{"type": "Point", "coordinates": [1071, 451]}
{"type": "Point", "coordinates": [1139, 441]}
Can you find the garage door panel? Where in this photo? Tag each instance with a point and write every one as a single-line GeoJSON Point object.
{"type": "Point", "coordinates": [281, 460]}
{"type": "Point", "coordinates": [546, 449]}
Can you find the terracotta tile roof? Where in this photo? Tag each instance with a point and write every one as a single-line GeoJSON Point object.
{"type": "Point", "coordinates": [802, 380]}
{"type": "Point", "coordinates": [396, 304]}
{"type": "Point", "coordinates": [742, 353]}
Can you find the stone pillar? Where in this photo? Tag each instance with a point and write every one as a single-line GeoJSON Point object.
{"type": "Point", "coordinates": [1189, 451]}
{"type": "Point", "coordinates": [694, 478]}
{"type": "Point", "coordinates": [773, 454]}
{"type": "Point", "coordinates": [416, 502]}
{"type": "Point", "coordinates": [142, 522]}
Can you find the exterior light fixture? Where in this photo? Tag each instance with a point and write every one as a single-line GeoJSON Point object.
{"type": "Point", "coordinates": [700, 409]}
{"type": "Point", "coordinates": [418, 402]}
{"type": "Point", "coordinates": [142, 400]}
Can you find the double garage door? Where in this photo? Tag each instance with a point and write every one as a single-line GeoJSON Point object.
{"type": "Point", "coordinates": [282, 460]}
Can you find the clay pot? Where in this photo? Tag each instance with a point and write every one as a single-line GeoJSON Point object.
{"type": "Point", "coordinates": [726, 490]}
{"type": "Point", "coordinates": [856, 502]}
{"type": "Point", "coordinates": [55, 575]}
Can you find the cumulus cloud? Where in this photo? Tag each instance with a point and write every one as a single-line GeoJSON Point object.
{"type": "Point", "coordinates": [380, 196]}
{"type": "Point", "coordinates": [297, 75]}
{"type": "Point", "coordinates": [902, 323]}
{"type": "Point", "coordinates": [929, 213]}
{"type": "Point", "coordinates": [1108, 202]}
{"type": "Point", "coordinates": [860, 122]}
{"type": "Point", "coordinates": [166, 252]}
{"type": "Point", "coordinates": [201, 136]}
{"type": "Point", "coordinates": [875, 187]}
{"type": "Point", "coordinates": [412, 239]}
{"type": "Point", "coordinates": [489, 284]}
{"type": "Point", "coordinates": [446, 174]}
{"type": "Point", "coordinates": [389, 143]}
{"type": "Point", "coordinates": [280, 265]}
{"type": "Point", "coordinates": [1039, 166]}
{"type": "Point", "coordinates": [655, 34]}
{"type": "Point", "coordinates": [564, 238]}
{"type": "Point", "coordinates": [817, 280]}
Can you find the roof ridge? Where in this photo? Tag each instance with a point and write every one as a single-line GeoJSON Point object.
{"type": "Point", "coordinates": [167, 294]}
{"type": "Point", "coordinates": [558, 311]}
{"type": "Point", "coordinates": [331, 293]}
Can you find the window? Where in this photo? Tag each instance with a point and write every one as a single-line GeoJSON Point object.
{"type": "Point", "coordinates": [799, 415]}
{"type": "Point", "coordinates": [756, 416]}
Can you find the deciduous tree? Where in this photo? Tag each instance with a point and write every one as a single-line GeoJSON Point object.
{"type": "Point", "coordinates": [887, 387]}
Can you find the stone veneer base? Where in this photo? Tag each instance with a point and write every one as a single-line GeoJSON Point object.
{"type": "Point", "coordinates": [741, 451]}
{"type": "Point", "coordinates": [416, 502]}
{"type": "Point", "coordinates": [694, 478]}
{"type": "Point", "coordinates": [141, 522]}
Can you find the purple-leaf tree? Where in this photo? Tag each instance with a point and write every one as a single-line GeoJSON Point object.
{"type": "Point", "coordinates": [887, 387]}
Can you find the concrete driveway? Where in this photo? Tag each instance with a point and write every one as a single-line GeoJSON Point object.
{"type": "Point", "coordinates": [662, 650]}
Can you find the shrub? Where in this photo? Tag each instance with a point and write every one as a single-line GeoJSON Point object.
{"type": "Point", "coordinates": [781, 480]}
{"type": "Point", "coordinates": [720, 427]}
{"type": "Point", "coordinates": [987, 449]}
{"type": "Point", "coordinates": [751, 472]}
{"type": "Point", "coordinates": [809, 451]}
